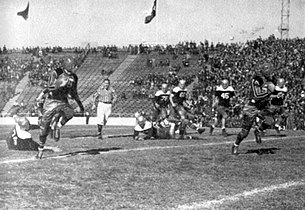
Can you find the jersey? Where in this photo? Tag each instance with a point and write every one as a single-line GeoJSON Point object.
{"type": "Point", "coordinates": [224, 95]}
{"type": "Point", "coordinates": [179, 95]}
{"type": "Point", "coordinates": [162, 98]}
{"type": "Point", "coordinates": [280, 94]}
{"type": "Point", "coordinates": [259, 94]}
{"type": "Point", "coordinates": [63, 84]}
{"type": "Point", "coordinates": [19, 139]}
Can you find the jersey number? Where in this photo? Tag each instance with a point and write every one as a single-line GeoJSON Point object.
{"type": "Point", "coordinates": [225, 95]}
{"type": "Point", "coordinates": [182, 94]}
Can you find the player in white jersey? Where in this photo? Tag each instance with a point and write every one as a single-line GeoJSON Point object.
{"type": "Point", "coordinates": [221, 104]}
{"type": "Point", "coordinates": [277, 102]}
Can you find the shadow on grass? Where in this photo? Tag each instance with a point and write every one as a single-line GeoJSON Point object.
{"type": "Point", "coordinates": [94, 135]}
{"type": "Point", "coordinates": [262, 151]}
{"type": "Point", "coordinates": [275, 135]}
{"type": "Point", "coordinates": [87, 152]}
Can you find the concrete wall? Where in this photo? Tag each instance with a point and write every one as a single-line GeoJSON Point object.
{"type": "Point", "coordinates": [78, 121]}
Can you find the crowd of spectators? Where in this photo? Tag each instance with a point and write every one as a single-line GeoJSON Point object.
{"type": "Point", "coordinates": [238, 62]}
{"type": "Point", "coordinates": [214, 62]}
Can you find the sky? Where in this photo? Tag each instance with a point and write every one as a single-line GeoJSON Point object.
{"type": "Point", "coordinates": [71, 23]}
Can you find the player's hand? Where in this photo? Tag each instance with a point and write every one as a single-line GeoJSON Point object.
{"type": "Point", "coordinates": [174, 105]}
{"type": "Point", "coordinates": [93, 107]}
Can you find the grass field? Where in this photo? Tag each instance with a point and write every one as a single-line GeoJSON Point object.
{"type": "Point", "coordinates": [120, 173]}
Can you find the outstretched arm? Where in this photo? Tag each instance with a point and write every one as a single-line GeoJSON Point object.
{"type": "Point", "coordinates": [74, 94]}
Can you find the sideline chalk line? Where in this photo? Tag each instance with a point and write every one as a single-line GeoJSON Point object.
{"type": "Point", "coordinates": [152, 148]}
{"type": "Point", "coordinates": [212, 204]}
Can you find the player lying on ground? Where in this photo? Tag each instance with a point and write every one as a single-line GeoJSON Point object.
{"type": "Point", "coordinates": [20, 138]}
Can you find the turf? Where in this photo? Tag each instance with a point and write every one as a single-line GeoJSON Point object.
{"type": "Point", "coordinates": [120, 173]}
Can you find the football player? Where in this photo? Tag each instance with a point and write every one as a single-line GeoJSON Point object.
{"type": "Point", "coordinates": [221, 105]}
{"type": "Point", "coordinates": [278, 104]}
{"type": "Point", "coordinates": [261, 88]}
{"type": "Point", "coordinates": [178, 113]}
{"type": "Point", "coordinates": [20, 138]}
{"type": "Point", "coordinates": [56, 108]}
{"type": "Point", "coordinates": [161, 104]}
{"type": "Point", "coordinates": [143, 129]}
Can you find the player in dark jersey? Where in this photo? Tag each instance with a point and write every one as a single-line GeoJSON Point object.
{"type": "Point", "coordinates": [221, 104]}
{"type": "Point", "coordinates": [161, 104]}
{"type": "Point", "coordinates": [277, 102]}
{"type": "Point", "coordinates": [178, 113]}
{"type": "Point", "coordinates": [261, 89]}
{"type": "Point", "coordinates": [56, 109]}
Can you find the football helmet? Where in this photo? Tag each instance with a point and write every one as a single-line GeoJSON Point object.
{"type": "Point", "coordinates": [225, 83]}
{"type": "Point", "coordinates": [281, 82]}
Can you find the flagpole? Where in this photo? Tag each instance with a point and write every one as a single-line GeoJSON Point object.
{"type": "Point", "coordinates": [157, 24]}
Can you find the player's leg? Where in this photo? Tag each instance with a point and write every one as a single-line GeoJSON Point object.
{"type": "Point", "coordinates": [249, 117]}
{"type": "Point", "coordinates": [101, 109]}
{"type": "Point", "coordinates": [215, 121]}
{"type": "Point", "coordinates": [44, 132]}
{"type": "Point", "coordinates": [224, 116]}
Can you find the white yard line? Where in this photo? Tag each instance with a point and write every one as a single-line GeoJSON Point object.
{"type": "Point", "coordinates": [154, 148]}
{"type": "Point", "coordinates": [213, 204]}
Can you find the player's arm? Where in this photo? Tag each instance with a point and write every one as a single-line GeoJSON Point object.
{"type": "Point", "coordinates": [115, 96]}
{"type": "Point", "coordinates": [155, 100]}
{"type": "Point", "coordinates": [94, 98]}
{"type": "Point", "coordinates": [171, 99]}
{"type": "Point", "coordinates": [74, 94]}
{"type": "Point", "coordinates": [215, 99]}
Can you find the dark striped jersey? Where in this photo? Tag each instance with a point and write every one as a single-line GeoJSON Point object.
{"type": "Point", "coordinates": [280, 94]}
{"type": "Point", "coordinates": [162, 98]}
{"type": "Point", "coordinates": [259, 94]}
{"type": "Point", "coordinates": [179, 95]}
{"type": "Point", "coordinates": [224, 95]}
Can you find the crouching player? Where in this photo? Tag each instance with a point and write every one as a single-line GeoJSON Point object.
{"type": "Point", "coordinates": [143, 129]}
{"type": "Point", "coordinates": [56, 110]}
{"type": "Point", "coordinates": [20, 138]}
{"type": "Point", "coordinates": [260, 91]}
{"type": "Point", "coordinates": [178, 110]}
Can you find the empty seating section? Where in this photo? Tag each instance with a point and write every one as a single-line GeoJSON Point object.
{"type": "Point", "coordinates": [96, 67]}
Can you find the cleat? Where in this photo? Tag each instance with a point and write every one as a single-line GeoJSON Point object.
{"type": "Point", "coordinates": [39, 154]}
{"type": "Point", "coordinates": [211, 130]}
{"type": "Point", "coordinates": [98, 134]}
{"type": "Point", "coordinates": [200, 130]}
{"type": "Point", "coordinates": [100, 137]}
{"type": "Point", "coordinates": [235, 150]}
{"type": "Point", "coordinates": [224, 132]}
{"type": "Point", "coordinates": [258, 137]}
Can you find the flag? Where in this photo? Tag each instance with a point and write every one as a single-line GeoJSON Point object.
{"type": "Point", "coordinates": [153, 13]}
{"type": "Point", "coordinates": [25, 13]}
